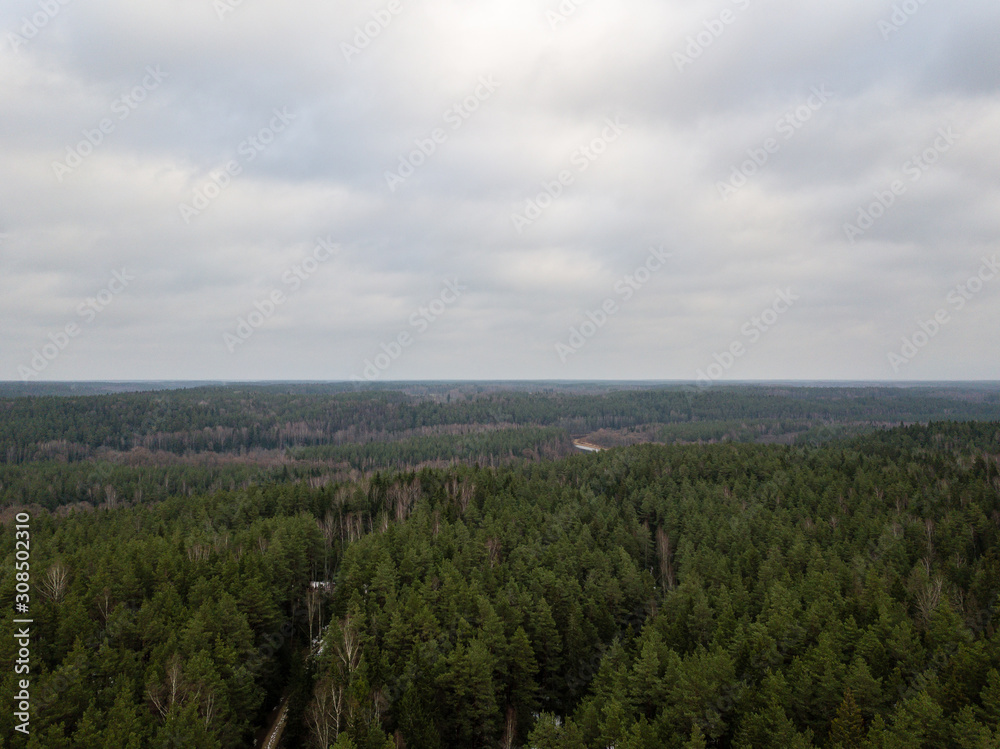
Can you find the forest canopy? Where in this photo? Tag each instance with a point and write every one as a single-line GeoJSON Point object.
{"type": "Point", "coordinates": [489, 588]}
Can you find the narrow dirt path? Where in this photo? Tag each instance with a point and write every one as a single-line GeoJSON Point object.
{"type": "Point", "coordinates": [273, 737]}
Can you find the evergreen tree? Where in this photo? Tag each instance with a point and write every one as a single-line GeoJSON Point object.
{"type": "Point", "coordinates": [847, 730]}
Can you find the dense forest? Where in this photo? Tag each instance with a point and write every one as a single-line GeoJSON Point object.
{"type": "Point", "coordinates": [238, 419]}
{"type": "Point", "coordinates": [146, 446]}
{"type": "Point", "coordinates": [444, 572]}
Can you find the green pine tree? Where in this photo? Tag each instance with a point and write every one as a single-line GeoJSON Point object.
{"type": "Point", "coordinates": [848, 728]}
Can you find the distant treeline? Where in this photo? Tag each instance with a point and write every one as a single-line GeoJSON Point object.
{"type": "Point", "coordinates": [233, 419]}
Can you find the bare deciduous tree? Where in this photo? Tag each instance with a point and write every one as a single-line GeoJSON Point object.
{"type": "Point", "coordinates": [314, 610]}
{"type": "Point", "coordinates": [325, 714]}
{"type": "Point", "coordinates": [328, 525]}
{"type": "Point", "coordinates": [165, 694]}
{"type": "Point", "coordinates": [349, 647]}
{"type": "Point", "coordinates": [54, 582]}
{"type": "Point", "coordinates": [928, 598]}
{"type": "Point", "coordinates": [493, 547]}
{"type": "Point", "coordinates": [460, 492]}
{"type": "Point", "coordinates": [105, 604]}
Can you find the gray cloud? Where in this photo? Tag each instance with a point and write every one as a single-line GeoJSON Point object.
{"type": "Point", "coordinates": [350, 121]}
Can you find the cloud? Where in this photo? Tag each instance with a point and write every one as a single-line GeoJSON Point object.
{"type": "Point", "coordinates": [206, 135]}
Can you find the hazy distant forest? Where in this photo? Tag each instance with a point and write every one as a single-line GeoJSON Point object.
{"type": "Point", "coordinates": [437, 566]}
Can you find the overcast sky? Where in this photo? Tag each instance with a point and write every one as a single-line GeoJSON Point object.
{"type": "Point", "coordinates": [628, 189]}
